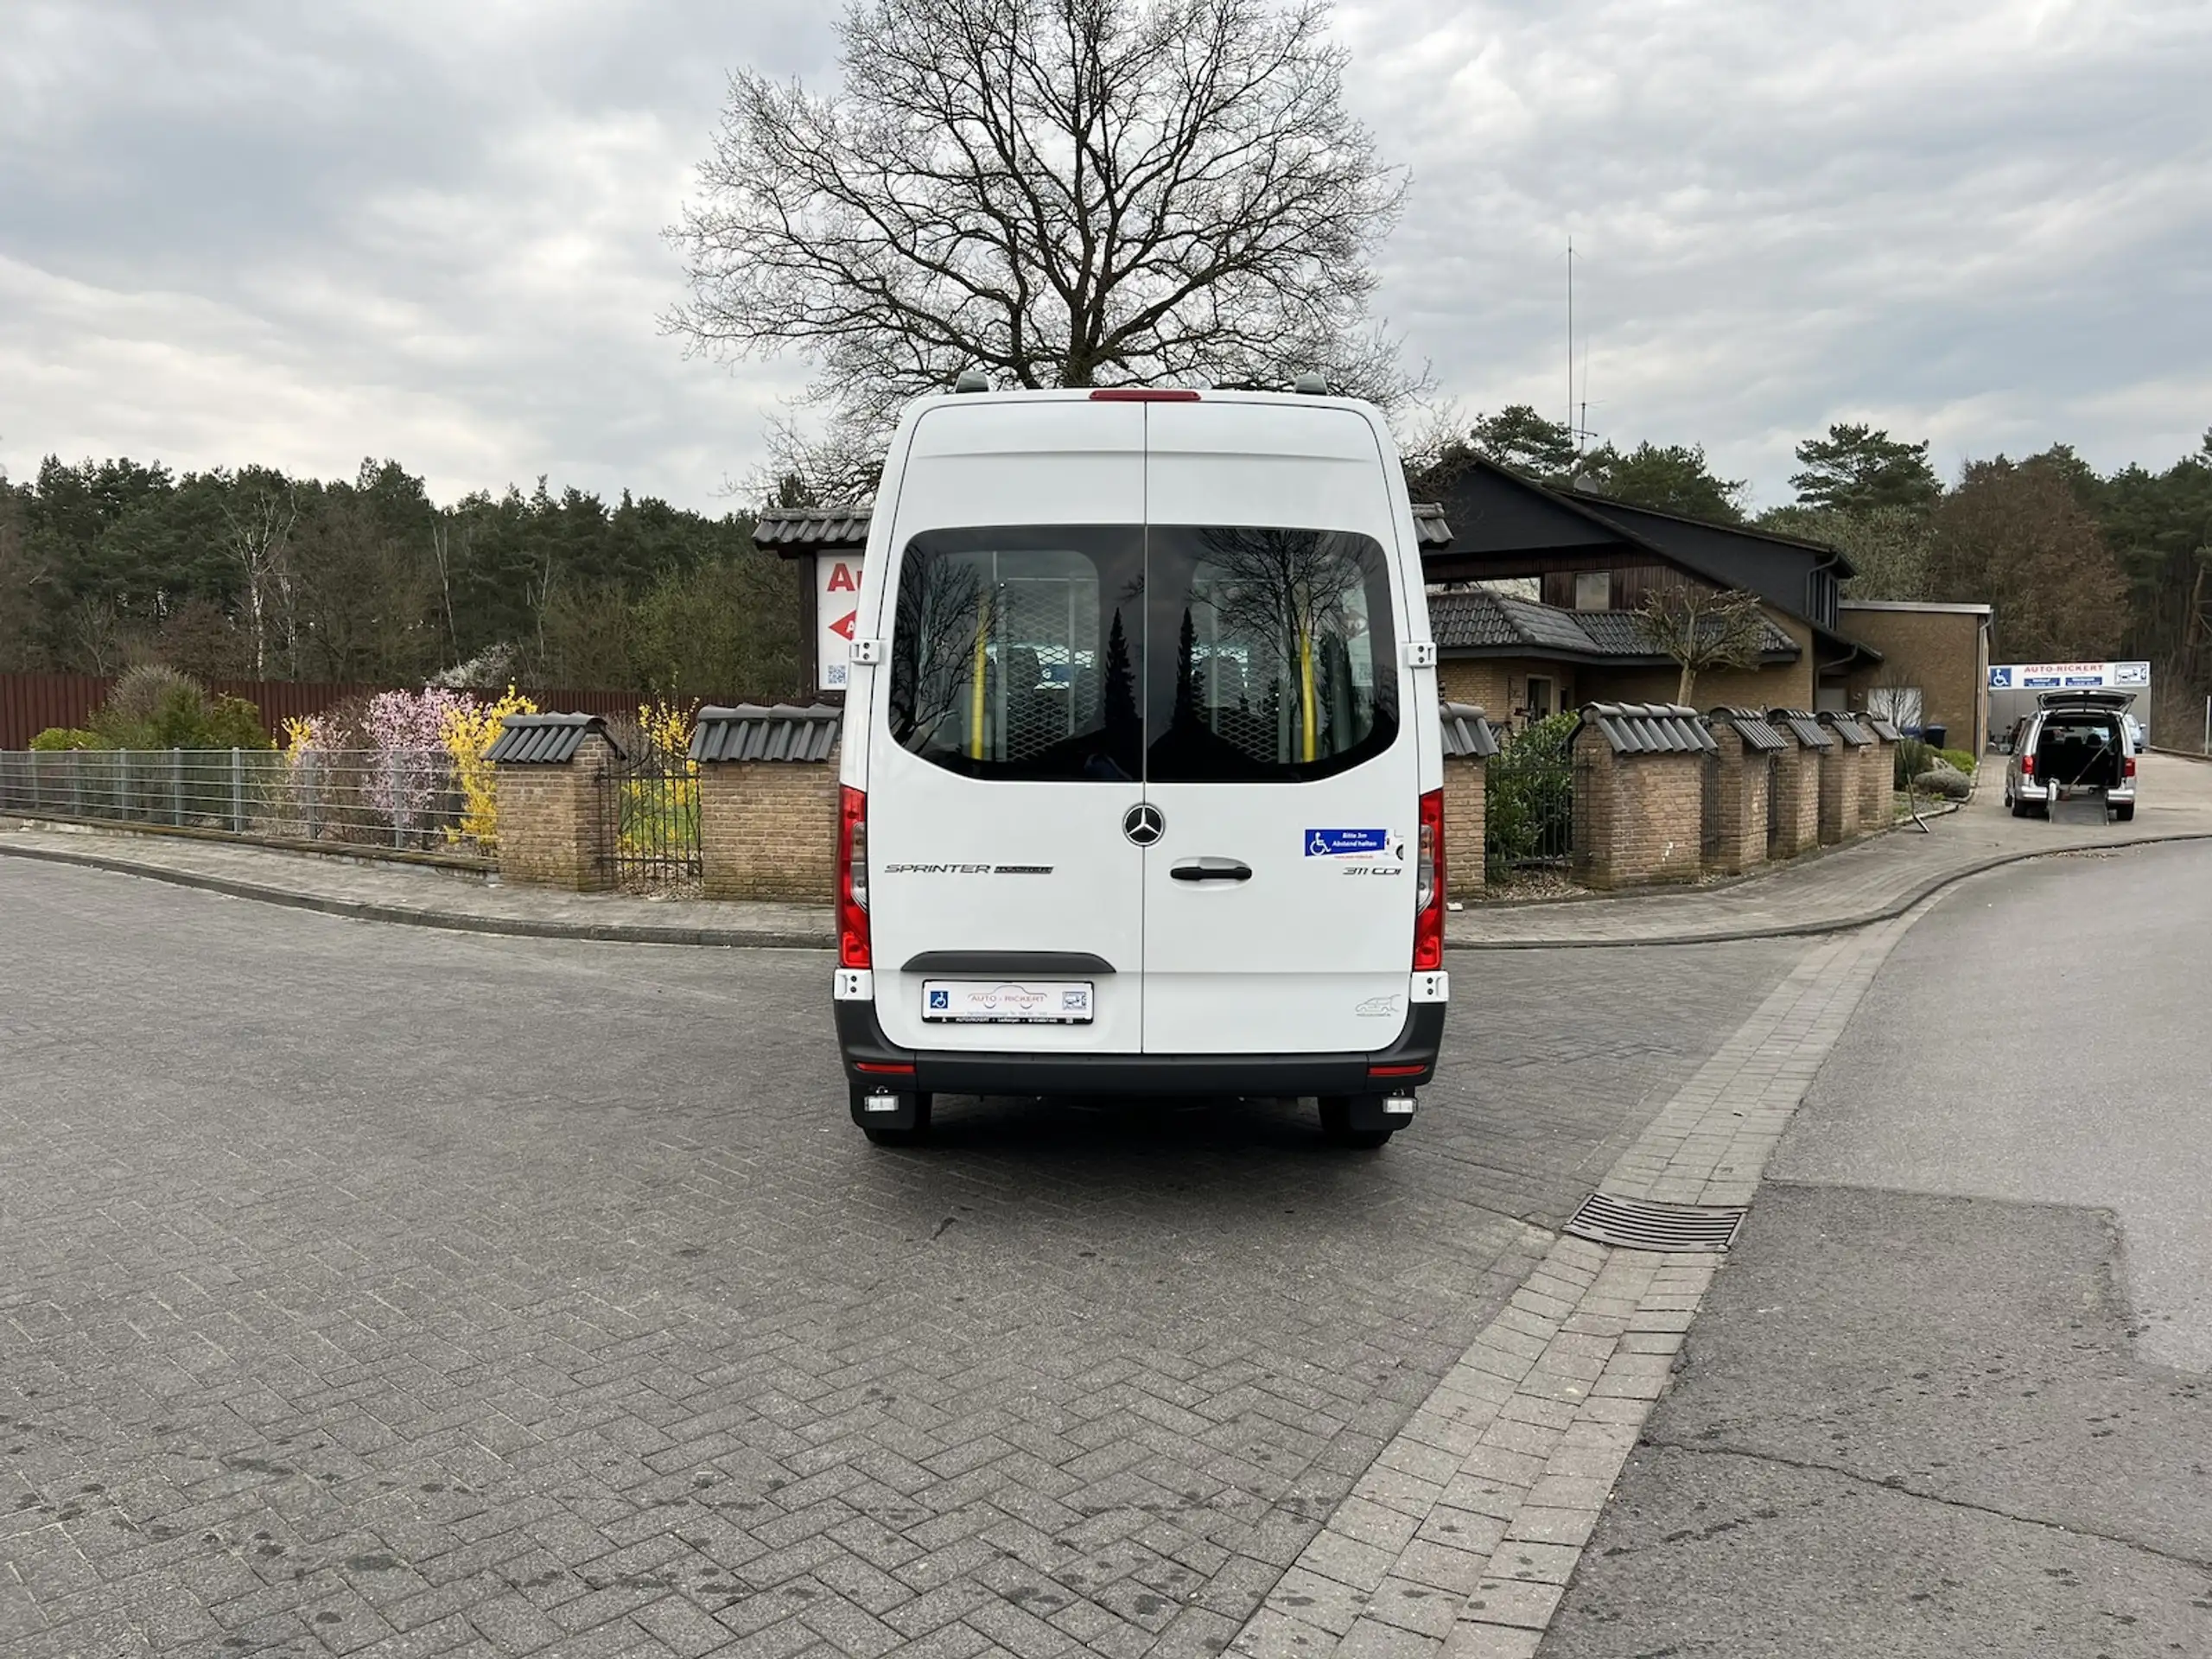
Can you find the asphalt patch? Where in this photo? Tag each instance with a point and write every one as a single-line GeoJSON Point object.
{"type": "Point", "coordinates": [1909, 1425]}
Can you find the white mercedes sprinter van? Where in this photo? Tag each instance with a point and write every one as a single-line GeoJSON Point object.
{"type": "Point", "coordinates": [1142, 777]}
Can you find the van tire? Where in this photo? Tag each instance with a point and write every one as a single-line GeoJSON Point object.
{"type": "Point", "coordinates": [2124, 814]}
{"type": "Point", "coordinates": [916, 1126]}
{"type": "Point", "coordinates": [1339, 1113]}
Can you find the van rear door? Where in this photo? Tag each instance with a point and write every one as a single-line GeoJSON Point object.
{"type": "Point", "coordinates": [1006, 751]}
{"type": "Point", "coordinates": [1282, 755]}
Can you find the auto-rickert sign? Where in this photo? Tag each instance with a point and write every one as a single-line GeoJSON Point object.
{"type": "Point", "coordinates": [2069, 676]}
{"type": "Point", "coordinates": [836, 612]}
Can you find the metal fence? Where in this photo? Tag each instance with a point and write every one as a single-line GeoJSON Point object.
{"type": "Point", "coordinates": [652, 801]}
{"type": "Point", "coordinates": [31, 702]}
{"type": "Point", "coordinates": [414, 799]}
{"type": "Point", "coordinates": [1528, 802]}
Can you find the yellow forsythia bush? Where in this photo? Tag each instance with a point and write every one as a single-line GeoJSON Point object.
{"type": "Point", "coordinates": [467, 732]}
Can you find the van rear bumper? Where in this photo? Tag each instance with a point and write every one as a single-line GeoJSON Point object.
{"type": "Point", "coordinates": [962, 1072]}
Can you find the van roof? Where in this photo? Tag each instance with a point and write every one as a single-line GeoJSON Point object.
{"type": "Point", "coordinates": [1183, 394]}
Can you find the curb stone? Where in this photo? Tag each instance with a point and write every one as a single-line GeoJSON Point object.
{"type": "Point", "coordinates": [824, 939]}
{"type": "Point", "coordinates": [449, 921]}
{"type": "Point", "coordinates": [1887, 912]}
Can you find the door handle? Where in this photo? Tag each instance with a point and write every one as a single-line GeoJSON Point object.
{"type": "Point", "coordinates": [1210, 869]}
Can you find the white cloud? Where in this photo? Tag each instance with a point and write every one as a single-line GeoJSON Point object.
{"type": "Point", "coordinates": [302, 235]}
{"type": "Point", "coordinates": [1985, 223]}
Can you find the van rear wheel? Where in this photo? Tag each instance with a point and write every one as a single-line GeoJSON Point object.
{"type": "Point", "coordinates": [1339, 1113]}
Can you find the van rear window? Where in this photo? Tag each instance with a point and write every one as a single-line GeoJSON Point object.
{"type": "Point", "coordinates": [1015, 651]}
{"type": "Point", "coordinates": [1184, 654]}
{"type": "Point", "coordinates": [1272, 659]}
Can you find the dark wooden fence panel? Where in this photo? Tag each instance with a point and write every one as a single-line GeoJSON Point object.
{"type": "Point", "coordinates": [31, 702]}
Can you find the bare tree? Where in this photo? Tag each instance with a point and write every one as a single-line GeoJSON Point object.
{"type": "Point", "coordinates": [1061, 193]}
{"type": "Point", "coordinates": [258, 513]}
{"type": "Point", "coordinates": [1702, 628]}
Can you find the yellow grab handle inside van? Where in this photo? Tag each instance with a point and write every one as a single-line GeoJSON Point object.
{"type": "Point", "coordinates": [1305, 694]}
{"type": "Point", "coordinates": [976, 688]}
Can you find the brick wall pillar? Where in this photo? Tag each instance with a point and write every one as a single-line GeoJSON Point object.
{"type": "Point", "coordinates": [1741, 802]}
{"type": "Point", "coordinates": [1638, 818]}
{"type": "Point", "coordinates": [1464, 799]}
{"type": "Point", "coordinates": [1877, 768]}
{"type": "Point", "coordinates": [554, 829]}
{"type": "Point", "coordinates": [768, 829]}
{"type": "Point", "coordinates": [1797, 798]}
{"type": "Point", "coordinates": [1839, 792]}
{"type": "Point", "coordinates": [1591, 859]}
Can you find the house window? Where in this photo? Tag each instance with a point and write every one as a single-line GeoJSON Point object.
{"type": "Point", "coordinates": [1820, 598]}
{"type": "Point", "coordinates": [1898, 704]}
{"type": "Point", "coordinates": [1593, 590]}
{"type": "Point", "coordinates": [1540, 697]}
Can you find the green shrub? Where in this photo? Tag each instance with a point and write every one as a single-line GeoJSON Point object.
{"type": "Point", "coordinates": [1529, 795]}
{"type": "Point", "coordinates": [234, 723]}
{"type": "Point", "coordinates": [154, 707]}
{"type": "Point", "coordinates": [56, 740]}
{"type": "Point", "coordinates": [1944, 780]}
{"type": "Point", "coordinates": [1960, 759]}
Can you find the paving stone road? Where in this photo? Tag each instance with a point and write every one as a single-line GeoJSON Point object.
{"type": "Point", "coordinates": [375, 1290]}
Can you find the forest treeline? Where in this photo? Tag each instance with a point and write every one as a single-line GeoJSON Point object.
{"type": "Point", "coordinates": [253, 573]}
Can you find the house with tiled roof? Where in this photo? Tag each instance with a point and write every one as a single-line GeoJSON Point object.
{"type": "Point", "coordinates": [1563, 573]}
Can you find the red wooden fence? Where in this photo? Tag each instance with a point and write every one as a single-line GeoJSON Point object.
{"type": "Point", "coordinates": [31, 702]}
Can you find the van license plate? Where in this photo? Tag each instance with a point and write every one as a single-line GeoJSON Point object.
{"type": "Point", "coordinates": [1007, 1001]}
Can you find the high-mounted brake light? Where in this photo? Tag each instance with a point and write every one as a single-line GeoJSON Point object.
{"type": "Point", "coordinates": [852, 879]}
{"type": "Point", "coordinates": [1428, 886]}
{"type": "Point", "coordinates": [1141, 395]}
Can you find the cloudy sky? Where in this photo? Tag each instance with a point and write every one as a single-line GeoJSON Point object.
{"type": "Point", "coordinates": [303, 234]}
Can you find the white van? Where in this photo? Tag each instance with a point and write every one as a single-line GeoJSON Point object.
{"type": "Point", "coordinates": [1143, 776]}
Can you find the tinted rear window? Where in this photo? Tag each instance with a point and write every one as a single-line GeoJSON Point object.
{"type": "Point", "coordinates": [1186, 653]}
{"type": "Point", "coordinates": [1014, 651]}
{"type": "Point", "coordinates": [1273, 658]}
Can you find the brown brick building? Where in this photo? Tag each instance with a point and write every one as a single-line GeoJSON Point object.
{"type": "Point", "coordinates": [1504, 653]}
{"type": "Point", "coordinates": [1934, 666]}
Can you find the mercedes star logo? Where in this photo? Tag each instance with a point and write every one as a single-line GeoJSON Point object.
{"type": "Point", "coordinates": [1143, 824]}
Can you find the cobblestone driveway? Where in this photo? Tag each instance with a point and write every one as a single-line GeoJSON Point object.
{"type": "Point", "coordinates": [368, 1290]}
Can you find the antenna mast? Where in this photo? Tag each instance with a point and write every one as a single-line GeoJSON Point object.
{"type": "Point", "coordinates": [1570, 337]}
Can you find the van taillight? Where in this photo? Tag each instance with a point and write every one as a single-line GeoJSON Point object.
{"type": "Point", "coordinates": [2028, 764]}
{"type": "Point", "coordinates": [852, 879]}
{"type": "Point", "coordinates": [1428, 888]}
{"type": "Point", "coordinates": [2127, 768]}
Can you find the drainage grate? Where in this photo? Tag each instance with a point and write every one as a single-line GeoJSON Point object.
{"type": "Point", "coordinates": [1647, 1224]}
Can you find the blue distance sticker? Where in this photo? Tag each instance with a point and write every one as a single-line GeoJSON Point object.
{"type": "Point", "coordinates": [1346, 843]}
